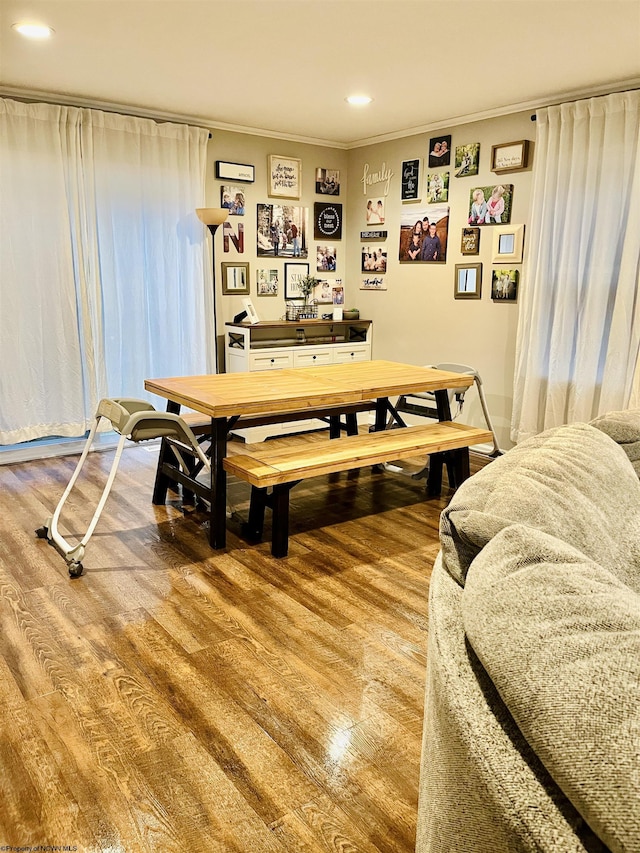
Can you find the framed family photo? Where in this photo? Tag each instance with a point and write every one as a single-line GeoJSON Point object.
{"type": "Point", "coordinates": [437, 187]}
{"type": "Point", "coordinates": [490, 205]}
{"type": "Point", "coordinates": [267, 282]}
{"type": "Point", "coordinates": [235, 278]}
{"type": "Point", "coordinates": [285, 176]}
{"type": "Point", "coordinates": [504, 285]}
{"type": "Point", "coordinates": [232, 198]}
{"type": "Point", "coordinates": [439, 151]}
{"type": "Point", "coordinates": [327, 181]}
{"type": "Point", "coordinates": [467, 159]}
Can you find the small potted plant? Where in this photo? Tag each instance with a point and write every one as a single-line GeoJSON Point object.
{"type": "Point", "coordinates": [306, 286]}
{"type": "Point", "coordinates": [351, 314]}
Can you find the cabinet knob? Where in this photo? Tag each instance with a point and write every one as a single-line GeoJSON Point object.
{"type": "Point", "coordinates": [314, 358]}
{"type": "Point", "coordinates": [352, 354]}
{"type": "Point", "coordinates": [272, 360]}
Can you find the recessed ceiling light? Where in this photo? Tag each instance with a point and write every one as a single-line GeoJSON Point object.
{"type": "Point", "coordinates": [33, 31]}
{"type": "Point", "coordinates": [359, 100]}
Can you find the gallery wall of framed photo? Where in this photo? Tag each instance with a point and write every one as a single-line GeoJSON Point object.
{"type": "Point", "coordinates": [286, 206]}
{"type": "Point", "coordinates": [353, 214]}
{"type": "Point", "coordinates": [454, 248]}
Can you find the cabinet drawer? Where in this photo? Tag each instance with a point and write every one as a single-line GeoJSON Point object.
{"type": "Point", "coordinates": [273, 361]}
{"type": "Point", "coordinates": [311, 359]}
{"type": "Point", "coordinates": [358, 352]}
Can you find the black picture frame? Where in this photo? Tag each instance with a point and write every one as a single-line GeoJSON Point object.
{"type": "Point", "coordinates": [235, 171]}
{"type": "Point", "coordinates": [410, 180]}
{"type": "Point", "coordinates": [327, 220]}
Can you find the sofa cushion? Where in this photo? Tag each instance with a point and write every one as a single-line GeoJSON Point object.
{"type": "Point", "coordinates": [559, 636]}
{"type": "Point", "coordinates": [572, 481]}
{"type": "Point", "coordinates": [624, 428]}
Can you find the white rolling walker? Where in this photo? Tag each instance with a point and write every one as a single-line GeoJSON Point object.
{"type": "Point", "coordinates": [423, 405]}
{"type": "Point", "coordinates": [135, 420]}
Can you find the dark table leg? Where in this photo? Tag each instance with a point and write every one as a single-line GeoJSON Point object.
{"type": "Point", "coordinates": [442, 404]}
{"type": "Point", "coordinates": [162, 482]}
{"type": "Point", "coordinates": [218, 512]}
{"type": "Point", "coordinates": [382, 407]}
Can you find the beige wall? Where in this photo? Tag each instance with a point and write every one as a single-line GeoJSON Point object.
{"type": "Point", "coordinates": [417, 320]}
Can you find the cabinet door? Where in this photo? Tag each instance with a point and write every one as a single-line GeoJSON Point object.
{"type": "Point", "coordinates": [312, 358]}
{"type": "Point", "coordinates": [270, 361]}
{"type": "Point", "coordinates": [357, 352]}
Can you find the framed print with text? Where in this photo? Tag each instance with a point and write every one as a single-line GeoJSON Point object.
{"type": "Point", "coordinates": [293, 273]}
{"type": "Point", "coordinates": [327, 220]}
{"type": "Point", "coordinates": [235, 171]}
{"type": "Point", "coordinates": [510, 156]}
{"type": "Point", "coordinates": [285, 176]}
{"type": "Point", "coordinates": [470, 243]}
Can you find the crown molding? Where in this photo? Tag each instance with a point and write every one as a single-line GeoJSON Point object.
{"type": "Point", "coordinates": [198, 121]}
{"type": "Point", "coordinates": [508, 109]}
{"type": "Point", "coordinates": [159, 115]}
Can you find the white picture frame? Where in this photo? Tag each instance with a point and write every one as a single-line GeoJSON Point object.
{"type": "Point", "coordinates": [285, 176]}
{"type": "Point", "coordinates": [252, 314]}
{"type": "Point", "coordinates": [508, 243]}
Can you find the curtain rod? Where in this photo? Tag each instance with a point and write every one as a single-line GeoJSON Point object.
{"type": "Point", "coordinates": [615, 92]}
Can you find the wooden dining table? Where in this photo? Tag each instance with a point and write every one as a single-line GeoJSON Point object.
{"type": "Point", "coordinates": [228, 397]}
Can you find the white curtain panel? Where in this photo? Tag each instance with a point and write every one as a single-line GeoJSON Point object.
{"type": "Point", "coordinates": [105, 273]}
{"type": "Point", "coordinates": [579, 323]}
{"type": "Point", "coordinates": [145, 247]}
{"type": "Point", "coordinates": [42, 375]}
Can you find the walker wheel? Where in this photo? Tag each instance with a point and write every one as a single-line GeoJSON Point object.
{"type": "Point", "coordinates": [75, 569]}
{"type": "Point", "coordinates": [42, 532]}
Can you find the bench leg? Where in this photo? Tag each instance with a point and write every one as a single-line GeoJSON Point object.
{"type": "Point", "coordinates": [254, 526]}
{"type": "Point", "coordinates": [280, 507]}
{"type": "Point", "coordinates": [460, 465]}
{"type": "Point", "coordinates": [334, 426]}
{"type": "Point", "coordinates": [352, 423]}
{"type": "Point", "coordinates": [434, 478]}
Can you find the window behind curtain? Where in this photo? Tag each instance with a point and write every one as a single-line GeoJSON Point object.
{"type": "Point", "coordinates": [104, 278]}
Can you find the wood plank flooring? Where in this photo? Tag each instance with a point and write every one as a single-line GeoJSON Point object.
{"type": "Point", "coordinates": [179, 699]}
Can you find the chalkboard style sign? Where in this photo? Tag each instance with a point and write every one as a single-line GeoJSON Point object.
{"type": "Point", "coordinates": [327, 220]}
{"type": "Point", "coordinates": [410, 180]}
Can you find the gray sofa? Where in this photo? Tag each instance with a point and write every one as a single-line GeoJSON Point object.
{"type": "Point", "coordinates": [532, 712]}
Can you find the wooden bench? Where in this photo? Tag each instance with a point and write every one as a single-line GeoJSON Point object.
{"type": "Point", "coordinates": [280, 468]}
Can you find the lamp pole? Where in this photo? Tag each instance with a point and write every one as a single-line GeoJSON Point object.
{"type": "Point", "coordinates": [213, 217]}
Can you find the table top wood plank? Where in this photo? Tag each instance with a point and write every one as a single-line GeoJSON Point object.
{"type": "Point", "coordinates": [293, 389]}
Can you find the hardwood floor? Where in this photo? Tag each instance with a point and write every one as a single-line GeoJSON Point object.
{"type": "Point", "coordinates": [174, 698]}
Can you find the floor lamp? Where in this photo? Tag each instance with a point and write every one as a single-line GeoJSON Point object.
{"type": "Point", "coordinates": [213, 217]}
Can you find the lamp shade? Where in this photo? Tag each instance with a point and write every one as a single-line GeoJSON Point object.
{"type": "Point", "coordinates": [212, 215]}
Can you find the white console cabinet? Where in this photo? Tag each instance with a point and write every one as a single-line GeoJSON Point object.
{"type": "Point", "coordinates": [272, 345]}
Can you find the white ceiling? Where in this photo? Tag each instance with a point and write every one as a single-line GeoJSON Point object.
{"type": "Point", "coordinates": [284, 67]}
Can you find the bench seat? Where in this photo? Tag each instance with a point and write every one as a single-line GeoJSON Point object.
{"type": "Point", "coordinates": [280, 468]}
